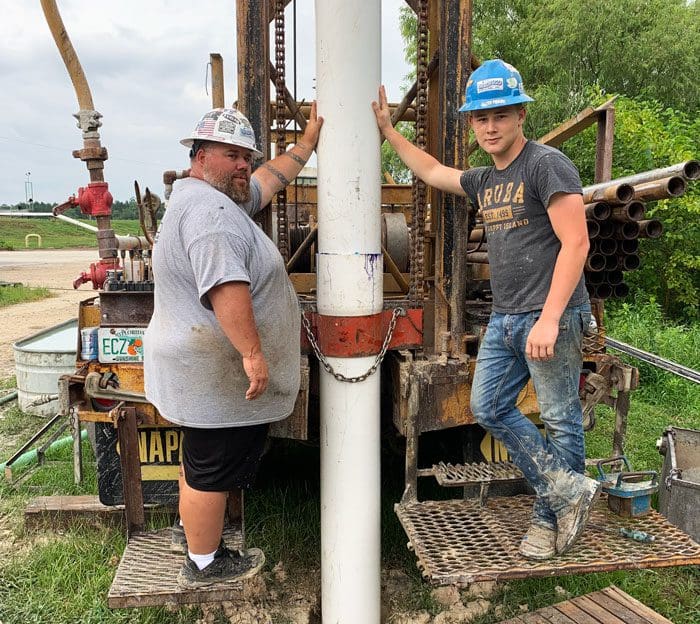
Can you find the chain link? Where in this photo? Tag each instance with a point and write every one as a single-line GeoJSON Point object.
{"type": "Point", "coordinates": [380, 356]}
{"type": "Point", "coordinates": [420, 192]}
{"type": "Point", "coordinates": [281, 142]}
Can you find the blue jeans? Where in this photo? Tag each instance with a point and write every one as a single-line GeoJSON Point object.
{"type": "Point", "coordinates": [553, 465]}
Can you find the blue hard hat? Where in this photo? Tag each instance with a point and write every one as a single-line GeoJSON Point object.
{"type": "Point", "coordinates": [494, 83]}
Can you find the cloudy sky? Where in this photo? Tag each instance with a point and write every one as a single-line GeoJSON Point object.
{"type": "Point", "coordinates": [146, 64]}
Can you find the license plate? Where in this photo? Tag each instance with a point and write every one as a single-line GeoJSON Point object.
{"type": "Point", "coordinates": [120, 344]}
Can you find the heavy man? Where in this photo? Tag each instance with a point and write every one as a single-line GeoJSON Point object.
{"type": "Point", "coordinates": [222, 348]}
{"type": "Point", "coordinates": [532, 207]}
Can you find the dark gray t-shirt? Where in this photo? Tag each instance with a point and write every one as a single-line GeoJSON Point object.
{"type": "Point", "coordinates": [193, 374]}
{"type": "Point", "coordinates": [522, 245]}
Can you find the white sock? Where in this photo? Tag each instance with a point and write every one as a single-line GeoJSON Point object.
{"type": "Point", "coordinates": [202, 561]}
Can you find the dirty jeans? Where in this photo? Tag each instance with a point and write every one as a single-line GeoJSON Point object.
{"type": "Point", "coordinates": [553, 465]}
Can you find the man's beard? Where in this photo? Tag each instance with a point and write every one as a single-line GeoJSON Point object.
{"type": "Point", "coordinates": [229, 186]}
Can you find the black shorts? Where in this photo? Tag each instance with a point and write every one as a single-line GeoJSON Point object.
{"type": "Point", "coordinates": [219, 460]}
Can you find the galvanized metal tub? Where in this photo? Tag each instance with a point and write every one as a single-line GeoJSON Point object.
{"type": "Point", "coordinates": [40, 359]}
{"type": "Point", "coordinates": [679, 490]}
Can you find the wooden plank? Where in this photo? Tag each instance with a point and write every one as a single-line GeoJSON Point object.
{"type": "Point", "coordinates": [555, 617]}
{"type": "Point", "coordinates": [581, 616]}
{"type": "Point", "coordinates": [590, 605]}
{"type": "Point", "coordinates": [605, 138]}
{"type": "Point", "coordinates": [576, 124]}
{"type": "Point", "coordinates": [571, 127]}
{"type": "Point", "coordinates": [62, 512]}
{"type": "Point", "coordinates": [608, 606]}
{"type": "Point", "coordinates": [620, 610]}
{"type": "Point", "coordinates": [635, 605]}
{"type": "Point", "coordinates": [535, 617]}
{"type": "Point", "coordinates": [127, 434]}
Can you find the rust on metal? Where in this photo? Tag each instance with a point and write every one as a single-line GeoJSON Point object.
{"type": "Point", "coordinates": [614, 192]}
{"type": "Point", "coordinates": [457, 475]}
{"type": "Point", "coordinates": [457, 542]}
{"type": "Point", "coordinates": [438, 392]}
{"type": "Point", "coordinates": [359, 336]}
{"type": "Point", "coordinates": [126, 308]}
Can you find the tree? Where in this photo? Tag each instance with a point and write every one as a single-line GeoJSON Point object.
{"type": "Point", "coordinates": [646, 48]}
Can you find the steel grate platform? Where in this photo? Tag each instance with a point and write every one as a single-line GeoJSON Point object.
{"type": "Point", "coordinates": [458, 542]}
{"type": "Point", "coordinates": [455, 475]}
{"type": "Point", "coordinates": [147, 573]}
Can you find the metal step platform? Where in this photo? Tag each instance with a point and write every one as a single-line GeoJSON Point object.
{"type": "Point", "coordinates": [458, 542]}
{"type": "Point", "coordinates": [458, 475]}
{"type": "Point", "coordinates": [147, 573]}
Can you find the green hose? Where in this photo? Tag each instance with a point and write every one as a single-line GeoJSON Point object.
{"type": "Point", "coordinates": [9, 397]}
{"type": "Point", "coordinates": [31, 456]}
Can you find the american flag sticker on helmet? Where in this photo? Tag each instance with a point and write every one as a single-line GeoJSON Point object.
{"type": "Point", "coordinates": [206, 127]}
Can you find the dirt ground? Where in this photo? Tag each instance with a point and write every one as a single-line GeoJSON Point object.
{"type": "Point", "coordinates": [54, 269]}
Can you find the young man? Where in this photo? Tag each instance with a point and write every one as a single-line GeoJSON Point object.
{"type": "Point", "coordinates": [532, 207]}
{"type": "Point", "coordinates": [222, 348]}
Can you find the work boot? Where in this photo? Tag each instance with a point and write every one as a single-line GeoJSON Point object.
{"type": "Point", "coordinates": [228, 565]}
{"type": "Point", "coordinates": [571, 520]}
{"type": "Point", "coordinates": [539, 543]}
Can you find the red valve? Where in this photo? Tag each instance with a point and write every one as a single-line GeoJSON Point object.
{"type": "Point", "coordinates": [95, 199]}
{"type": "Point", "coordinates": [97, 274]}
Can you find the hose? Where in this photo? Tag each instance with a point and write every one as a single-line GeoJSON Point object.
{"type": "Point", "coordinates": [8, 397]}
{"type": "Point", "coordinates": [31, 456]}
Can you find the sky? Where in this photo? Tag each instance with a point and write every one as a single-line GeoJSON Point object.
{"type": "Point", "coordinates": [146, 64]}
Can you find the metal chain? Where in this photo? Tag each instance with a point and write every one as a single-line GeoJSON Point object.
{"type": "Point", "coordinates": [380, 356]}
{"type": "Point", "coordinates": [281, 142]}
{"type": "Point", "coordinates": [420, 192]}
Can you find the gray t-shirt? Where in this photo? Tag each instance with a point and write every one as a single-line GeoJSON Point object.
{"type": "Point", "coordinates": [522, 245]}
{"type": "Point", "coordinates": [193, 374]}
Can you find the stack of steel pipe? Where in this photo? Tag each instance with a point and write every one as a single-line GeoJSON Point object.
{"type": "Point", "coordinates": [615, 216]}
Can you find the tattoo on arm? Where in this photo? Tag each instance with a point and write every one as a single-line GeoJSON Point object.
{"type": "Point", "coordinates": [294, 157]}
{"type": "Point", "coordinates": [277, 173]}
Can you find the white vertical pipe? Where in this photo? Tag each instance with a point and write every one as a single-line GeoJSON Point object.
{"type": "Point", "coordinates": [350, 275]}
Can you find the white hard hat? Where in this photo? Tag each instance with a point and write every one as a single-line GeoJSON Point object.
{"type": "Point", "coordinates": [224, 125]}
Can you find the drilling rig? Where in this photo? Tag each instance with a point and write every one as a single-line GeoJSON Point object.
{"type": "Point", "coordinates": [436, 301]}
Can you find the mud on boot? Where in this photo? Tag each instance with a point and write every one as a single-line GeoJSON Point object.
{"type": "Point", "coordinates": [539, 543]}
{"type": "Point", "coordinates": [571, 520]}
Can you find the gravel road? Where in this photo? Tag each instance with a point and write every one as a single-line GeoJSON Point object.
{"type": "Point", "coordinates": [54, 269]}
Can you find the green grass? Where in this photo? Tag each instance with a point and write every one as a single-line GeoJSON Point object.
{"type": "Point", "coordinates": [62, 578]}
{"type": "Point", "coordinates": [643, 326]}
{"type": "Point", "coordinates": [9, 295]}
{"type": "Point", "coordinates": [55, 234]}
